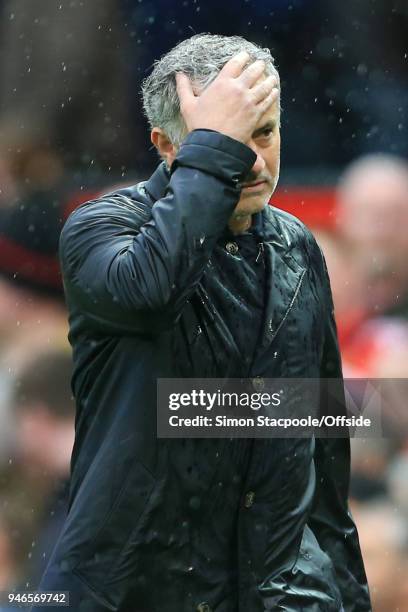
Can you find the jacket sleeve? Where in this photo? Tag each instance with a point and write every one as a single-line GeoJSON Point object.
{"type": "Point", "coordinates": [116, 266]}
{"type": "Point", "coordinates": [331, 520]}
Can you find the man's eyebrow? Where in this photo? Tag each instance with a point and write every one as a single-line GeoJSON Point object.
{"type": "Point", "coordinates": [269, 125]}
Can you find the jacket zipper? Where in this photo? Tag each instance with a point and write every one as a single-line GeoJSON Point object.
{"type": "Point", "coordinates": [260, 252]}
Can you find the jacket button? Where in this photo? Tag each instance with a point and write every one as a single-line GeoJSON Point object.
{"type": "Point", "coordinates": [258, 383]}
{"type": "Point", "coordinates": [204, 607]}
{"type": "Point", "coordinates": [249, 499]}
{"type": "Point", "coordinates": [232, 248]}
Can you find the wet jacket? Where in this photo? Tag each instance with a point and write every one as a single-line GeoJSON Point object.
{"type": "Point", "coordinates": [222, 525]}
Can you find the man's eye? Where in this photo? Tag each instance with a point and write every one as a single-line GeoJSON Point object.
{"type": "Point", "coordinates": [267, 132]}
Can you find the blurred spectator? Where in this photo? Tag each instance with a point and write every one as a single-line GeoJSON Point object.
{"type": "Point", "coordinates": [8, 186]}
{"type": "Point", "coordinates": [44, 412]}
{"type": "Point", "coordinates": [347, 283]}
{"type": "Point", "coordinates": [64, 85]}
{"type": "Point", "coordinates": [30, 322]}
{"type": "Point", "coordinates": [371, 346]}
{"type": "Point", "coordinates": [369, 461]}
{"type": "Point", "coordinates": [32, 309]}
{"type": "Point", "coordinates": [35, 484]}
{"type": "Point", "coordinates": [373, 217]}
{"type": "Point", "coordinates": [8, 563]}
{"type": "Point", "coordinates": [367, 265]}
{"type": "Point", "coordinates": [397, 478]}
{"type": "Point", "coordinates": [383, 539]}
{"type": "Point", "coordinates": [376, 347]}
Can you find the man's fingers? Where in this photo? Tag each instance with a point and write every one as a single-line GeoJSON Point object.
{"type": "Point", "coordinates": [252, 73]}
{"type": "Point", "coordinates": [264, 88]}
{"type": "Point", "coordinates": [235, 65]}
{"type": "Point", "coordinates": [268, 101]}
{"type": "Point", "coordinates": [184, 88]}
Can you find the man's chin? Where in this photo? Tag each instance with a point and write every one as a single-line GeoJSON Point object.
{"type": "Point", "coordinates": [252, 204]}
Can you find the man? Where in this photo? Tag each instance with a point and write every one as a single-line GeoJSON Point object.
{"type": "Point", "coordinates": [191, 274]}
{"type": "Point", "coordinates": [373, 215]}
{"type": "Point", "coordinates": [37, 479]}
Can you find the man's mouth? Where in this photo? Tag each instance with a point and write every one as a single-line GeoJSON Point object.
{"type": "Point", "coordinates": [254, 186]}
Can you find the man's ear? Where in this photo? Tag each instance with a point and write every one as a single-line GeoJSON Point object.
{"type": "Point", "coordinates": [166, 149]}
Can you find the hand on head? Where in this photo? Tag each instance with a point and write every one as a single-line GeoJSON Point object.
{"type": "Point", "coordinates": [233, 103]}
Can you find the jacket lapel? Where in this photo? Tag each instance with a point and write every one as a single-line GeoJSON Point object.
{"type": "Point", "coordinates": [284, 276]}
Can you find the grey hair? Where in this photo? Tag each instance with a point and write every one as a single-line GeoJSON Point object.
{"type": "Point", "coordinates": [201, 57]}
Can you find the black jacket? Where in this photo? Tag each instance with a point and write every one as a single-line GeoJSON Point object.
{"type": "Point", "coordinates": [168, 525]}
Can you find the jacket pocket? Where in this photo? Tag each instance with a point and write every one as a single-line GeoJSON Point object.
{"type": "Point", "coordinates": [104, 552]}
{"type": "Point", "coordinates": [314, 572]}
{"type": "Point", "coordinates": [308, 583]}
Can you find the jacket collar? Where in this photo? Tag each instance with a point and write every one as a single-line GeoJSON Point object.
{"type": "Point", "coordinates": [265, 223]}
{"type": "Point", "coordinates": [156, 185]}
{"type": "Point", "coordinates": [267, 228]}
{"type": "Point", "coordinates": [273, 232]}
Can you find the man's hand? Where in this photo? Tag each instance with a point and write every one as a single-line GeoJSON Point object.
{"type": "Point", "coordinates": [233, 103]}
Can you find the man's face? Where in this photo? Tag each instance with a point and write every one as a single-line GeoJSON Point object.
{"type": "Point", "coordinates": [373, 217]}
{"type": "Point", "coordinates": [261, 181]}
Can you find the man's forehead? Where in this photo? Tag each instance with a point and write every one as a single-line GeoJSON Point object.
{"type": "Point", "coordinates": [271, 117]}
{"type": "Point", "coordinates": [273, 113]}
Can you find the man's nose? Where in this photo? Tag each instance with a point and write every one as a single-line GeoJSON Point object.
{"type": "Point", "coordinates": [259, 164]}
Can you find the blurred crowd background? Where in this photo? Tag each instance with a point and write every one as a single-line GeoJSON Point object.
{"type": "Point", "coordinates": [71, 126]}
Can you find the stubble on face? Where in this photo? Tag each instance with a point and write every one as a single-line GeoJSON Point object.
{"type": "Point", "coordinates": [255, 198]}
